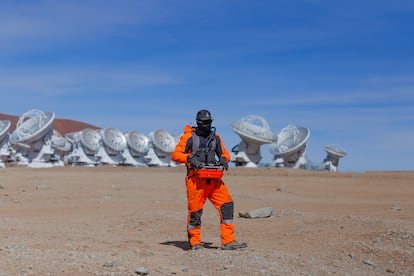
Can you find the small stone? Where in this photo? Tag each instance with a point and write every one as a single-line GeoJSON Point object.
{"type": "Point", "coordinates": [396, 208]}
{"type": "Point", "coordinates": [230, 266]}
{"type": "Point", "coordinates": [142, 271]}
{"type": "Point", "coordinates": [257, 213]}
{"type": "Point", "coordinates": [368, 262]}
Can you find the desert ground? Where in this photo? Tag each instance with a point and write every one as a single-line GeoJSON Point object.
{"type": "Point", "coordinates": [132, 221]}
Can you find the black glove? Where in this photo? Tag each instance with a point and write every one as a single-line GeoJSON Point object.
{"type": "Point", "coordinates": [193, 161]}
{"type": "Point", "coordinates": [224, 163]}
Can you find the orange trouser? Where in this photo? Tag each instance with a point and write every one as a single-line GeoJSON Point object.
{"type": "Point", "coordinates": [198, 190]}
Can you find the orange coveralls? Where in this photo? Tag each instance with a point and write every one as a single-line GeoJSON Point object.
{"type": "Point", "coordinates": [198, 190]}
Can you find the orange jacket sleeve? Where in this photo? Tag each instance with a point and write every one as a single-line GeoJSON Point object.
{"type": "Point", "coordinates": [179, 155]}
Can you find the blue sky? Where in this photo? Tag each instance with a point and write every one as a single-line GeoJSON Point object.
{"type": "Point", "coordinates": [343, 69]}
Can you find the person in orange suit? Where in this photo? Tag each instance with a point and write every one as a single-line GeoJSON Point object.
{"type": "Point", "coordinates": [200, 146]}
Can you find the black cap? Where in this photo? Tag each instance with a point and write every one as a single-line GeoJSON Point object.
{"type": "Point", "coordinates": [204, 115]}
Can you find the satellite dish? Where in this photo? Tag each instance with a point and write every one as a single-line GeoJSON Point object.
{"type": "Point", "coordinates": [5, 149]}
{"type": "Point", "coordinates": [137, 142]}
{"type": "Point", "coordinates": [289, 149]}
{"type": "Point", "coordinates": [85, 146]}
{"type": "Point", "coordinates": [334, 153]}
{"type": "Point", "coordinates": [35, 140]}
{"type": "Point", "coordinates": [254, 129]}
{"type": "Point", "coordinates": [335, 150]}
{"type": "Point", "coordinates": [164, 141]}
{"type": "Point", "coordinates": [254, 132]}
{"type": "Point", "coordinates": [32, 126]}
{"type": "Point", "coordinates": [4, 127]}
{"type": "Point", "coordinates": [138, 147]}
{"type": "Point", "coordinates": [59, 142]}
{"type": "Point", "coordinates": [162, 144]}
{"type": "Point", "coordinates": [71, 136]}
{"type": "Point", "coordinates": [112, 146]}
{"type": "Point", "coordinates": [114, 139]}
{"type": "Point", "coordinates": [90, 139]}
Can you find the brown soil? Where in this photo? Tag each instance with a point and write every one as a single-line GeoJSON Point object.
{"type": "Point", "coordinates": [119, 221]}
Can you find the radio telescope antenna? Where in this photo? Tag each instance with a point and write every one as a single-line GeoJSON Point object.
{"type": "Point", "coordinates": [162, 144]}
{"type": "Point", "coordinates": [289, 149]}
{"type": "Point", "coordinates": [138, 147]}
{"type": "Point", "coordinates": [60, 143]}
{"type": "Point", "coordinates": [32, 137]}
{"type": "Point", "coordinates": [254, 132]}
{"type": "Point", "coordinates": [113, 143]}
{"type": "Point", "coordinates": [4, 128]}
{"type": "Point", "coordinates": [5, 149]}
{"type": "Point", "coordinates": [85, 145]}
{"type": "Point", "coordinates": [333, 154]}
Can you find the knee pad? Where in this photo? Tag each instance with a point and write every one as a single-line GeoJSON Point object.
{"type": "Point", "coordinates": [227, 210]}
{"type": "Point", "coordinates": [195, 219]}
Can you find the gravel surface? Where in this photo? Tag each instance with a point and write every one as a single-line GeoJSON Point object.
{"type": "Point", "coordinates": [132, 221]}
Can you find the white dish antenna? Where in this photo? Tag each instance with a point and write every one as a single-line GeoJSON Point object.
{"type": "Point", "coordinates": [4, 128]}
{"type": "Point", "coordinates": [90, 139]}
{"type": "Point", "coordinates": [60, 142]}
{"type": "Point", "coordinates": [289, 149]}
{"type": "Point", "coordinates": [138, 147]}
{"type": "Point", "coordinates": [164, 141]}
{"type": "Point", "coordinates": [289, 140]}
{"type": "Point", "coordinates": [114, 139]}
{"type": "Point", "coordinates": [335, 150]}
{"type": "Point", "coordinates": [85, 146]}
{"type": "Point", "coordinates": [32, 126]}
{"type": "Point", "coordinates": [333, 154]}
{"type": "Point", "coordinates": [162, 144]}
{"type": "Point", "coordinates": [254, 132]}
{"type": "Point", "coordinates": [253, 128]}
{"type": "Point", "coordinates": [137, 142]}
{"type": "Point", "coordinates": [38, 144]}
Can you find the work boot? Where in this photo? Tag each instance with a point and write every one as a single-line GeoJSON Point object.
{"type": "Point", "coordinates": [233, 245]}
{"type": "Point", "coordinates": [197, 247]}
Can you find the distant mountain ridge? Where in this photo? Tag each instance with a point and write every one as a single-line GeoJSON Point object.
{"type": "Point", "coordinates": [63, 126]}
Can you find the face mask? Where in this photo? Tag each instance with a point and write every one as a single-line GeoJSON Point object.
{"type": "Point", "coordinates": [204, 128]}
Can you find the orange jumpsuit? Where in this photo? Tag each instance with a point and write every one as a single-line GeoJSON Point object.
{"type": "Point", "coordinates": [198, 190]}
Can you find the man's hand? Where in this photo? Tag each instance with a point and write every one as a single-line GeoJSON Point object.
{"type": "Point", "coordinates": [224, 163]}
{"type": "Point", "coordinates": [193, 161]}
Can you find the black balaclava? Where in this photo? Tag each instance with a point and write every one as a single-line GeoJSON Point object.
{"type": "Point", "coordinates": [204, 122]}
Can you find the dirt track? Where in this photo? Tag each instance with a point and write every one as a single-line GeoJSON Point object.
{"type": "Point", "coordinates": [119, 221]}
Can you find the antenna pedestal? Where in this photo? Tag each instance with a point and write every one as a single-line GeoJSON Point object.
{"type": "Point", "coordinates": [131, 159]}
{"type": "Point", "coordinates": [296, 160]}
{"type": "Point", "coordinates": [157, 158]}
{"type": "Point", "coordinates": [5, 148]}
{"type": "Point", "coordinates": [247, 155]}
{"type": "Point", "coordinates": [6, 152]}
{"type": "Point", "coordinates": [78, 156]}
